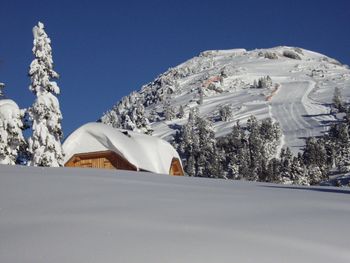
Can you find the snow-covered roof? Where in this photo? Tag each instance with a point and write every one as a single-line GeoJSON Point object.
{"type": "Point", "coordinates": [143, 151]}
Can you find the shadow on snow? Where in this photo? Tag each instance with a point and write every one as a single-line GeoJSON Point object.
{"type": "Point", "coordinates": [318, 189]}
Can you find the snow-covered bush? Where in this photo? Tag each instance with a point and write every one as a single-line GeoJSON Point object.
{"type": "Point", "coordinates": [268, 54]}
{"type": "Point", "coordinates": [45, 143]}
{"type": "Point", "coordinates": [298, 50]}
{"type": "Point", "coordinates": [291, 54]}
{"type": "Point", "coordinates": [11, 138]}
{"type": "Point", "coordinates": [262, 83]}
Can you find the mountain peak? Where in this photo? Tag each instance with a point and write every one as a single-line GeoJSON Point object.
{"type": "Point", "coordinates": [291, 85]}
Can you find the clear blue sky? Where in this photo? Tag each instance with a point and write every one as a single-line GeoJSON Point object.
{"type": "Point", "coordinates": [103, 50]}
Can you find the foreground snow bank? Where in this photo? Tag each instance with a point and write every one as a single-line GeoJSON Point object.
{"type": "Point", "coordinates": [86, 215]}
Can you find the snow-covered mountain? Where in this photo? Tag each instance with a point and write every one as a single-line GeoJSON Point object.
{"type": "Point", "coordinates": [291, 85]}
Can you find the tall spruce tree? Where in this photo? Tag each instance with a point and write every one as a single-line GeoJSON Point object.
{"type": "Point", "coordinates": [315, 158]}
{"type": "Point", "coordinates": [45, 143]}
{"type": "Point", "coordinates": [169, 110]}
{"type": "Point", "coordinates": [208, 158]}
{"type": "Point", "coordinates": [256, 148]}
{"type": "Point", "coordinates": [286, 158]}
{"type": "Point", "coordinates": [338, 100]}
{"type": "Point", "coordinates": [187, 143]}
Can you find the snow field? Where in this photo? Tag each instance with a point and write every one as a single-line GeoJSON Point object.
{"type": "Point", "coordinates": [87, 215]}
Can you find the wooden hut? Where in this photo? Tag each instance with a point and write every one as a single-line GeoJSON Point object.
{"type": "Point", "coordinates": [102, 159]}
{"type": "Point", "coordinates": [96, 145]}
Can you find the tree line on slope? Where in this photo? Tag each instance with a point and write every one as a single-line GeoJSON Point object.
{"type": "Point", "coordinates": [43, 147]}
{"type": "Point", "coordinates": [251, 152]}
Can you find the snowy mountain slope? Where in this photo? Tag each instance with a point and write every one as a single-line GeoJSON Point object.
{"type": "Point", "coordinates": [88, 215]}
{"type": "Point", "coordinates": [298, 97]}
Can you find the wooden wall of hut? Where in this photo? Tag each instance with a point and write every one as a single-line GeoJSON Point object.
{"type": "Point", "coordinates": [176, 168]}
{"type": "Point", "coordinates": [103, 159]}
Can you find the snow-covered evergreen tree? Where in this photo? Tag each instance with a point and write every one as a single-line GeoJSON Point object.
{"type": "Point", "coordinates": [169, 111]}
{"type": "Point", "coordinates": [342, 147]}
{"type": "Point", "coordinates": [338, 100]}
{"type": "Point", "coordinates": [314, 153]}
{"type": "Point", "coordinates": [201, 95]}
{"type": "Point", "coordinates": [256, 148]}
{"type": "Point", "coordinates": [315, 174]}
{"type": "Point", "coordinates": [270, 133]}
{"type": "Point", "coordinates": [112, 118]}
{"type": "Point", "coordinates": [2, 86]}
{"type": "Point", "coordinates": [207, 150]}
{"type": "Point", "coordinates": [45, 143]}
{"type": "Point", "coordinates": [315, 158]}
{"type": "Point", "coordinates": [286, 158]}
{"type": "Point", "coordinates": [298, 172]}
{"type": "Point", "coordinates": [181, 112]}
{"type": "Point", "coordinates": [153, 115]}
{"type": "Point", "coordinates": [248, 151]}
{"type": "Point", "coordinates": [187, 143]}
{"type": "Point", "coordinates": [196, 145]}
{"type": "Point", "coordinates": [225, 113]}
{"type": "Point", "coordinates": [11, 125]}
{"type": "Point", "coordinates": [190, 166]}
{"type": "Point", "coordinates": [140, 120]}
{"type": "Point", "coordinates": [129, 114]}
{"type": "Point", "coordinates": [273, 171]}
{"type": "Point", "coordinates": [262, 83]}
{"type": "Point", "coordinates": [233, 170]}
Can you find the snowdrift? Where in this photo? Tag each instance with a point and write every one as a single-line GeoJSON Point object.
{"type": "Point", "coordinates": [84, 215]}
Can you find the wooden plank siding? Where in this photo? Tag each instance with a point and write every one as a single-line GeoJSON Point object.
{"type": "Point", "coordinates": [103, 159]}
{"type": "Point", "coordinates": [176, 168]}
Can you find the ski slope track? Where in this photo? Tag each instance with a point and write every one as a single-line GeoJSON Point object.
{"type": "Point", "coordinates": [299, 97]}
{"type": "Point", "coordinates": [288, 108]}
{"type": "Point", "coordinates": [88, 215]}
